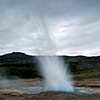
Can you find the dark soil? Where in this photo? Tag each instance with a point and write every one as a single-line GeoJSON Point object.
{"type": "Point", "coordinates": [48, 96]}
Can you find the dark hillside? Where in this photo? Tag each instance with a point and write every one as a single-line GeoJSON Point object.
{"type": "Point", "coordinates": [16, 57]}
{"type": "Point", "coordinates": [25, 66]}
{"type": "Point", "coordinates": [82, 61]}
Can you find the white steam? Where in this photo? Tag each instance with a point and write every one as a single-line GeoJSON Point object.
{"type": "Point", "coordinates": [52, 68]}
{"type": "Point", "coordinates": [56, 74]}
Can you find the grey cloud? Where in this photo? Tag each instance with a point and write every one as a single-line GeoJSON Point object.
{"type": "Point", "coordinates": [82, 37]}
{"type": "Point", "coordinates": [34, 26]}
{"type": "Point", "coordinates": [52, 8]}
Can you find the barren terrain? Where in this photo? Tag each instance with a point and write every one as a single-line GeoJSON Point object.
{"type": "Point", "coordinates": [31, 89]}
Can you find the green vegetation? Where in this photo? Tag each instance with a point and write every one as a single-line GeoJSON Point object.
{"type": "Point", "coordinates": [87, 77]}
{"type": "Point", "coordinates": [73, 66]}
{"type": "Point", "coordinates": [86, 71]}
{"type": "Point", "coordinates": [30, 70]}
{"type": "Point", "coordinates": [24, 70]}
{"type": "Point", "coordinates": [77, 68]}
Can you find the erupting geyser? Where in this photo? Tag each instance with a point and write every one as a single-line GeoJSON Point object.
{"type": "Point", "coordinates": [53, 69]}
{"type": "Point", "coordinates": [56, 74]}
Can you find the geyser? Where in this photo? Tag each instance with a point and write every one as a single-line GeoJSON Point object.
{"type": "Point", "coordinates": [53, 69]}
{"type": "Point", "coordinates": [57, 77]}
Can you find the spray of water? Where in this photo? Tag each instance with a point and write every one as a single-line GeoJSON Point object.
{"type": "Point", "coordinates": [52, 68]}
{"type": "Point", "coordinates": [56, 74]}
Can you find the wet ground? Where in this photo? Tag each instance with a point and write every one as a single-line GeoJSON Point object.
{"type": "Point", "coordinates": [22, 86]}
{"type": "Point", "coordinates": [32, 89]}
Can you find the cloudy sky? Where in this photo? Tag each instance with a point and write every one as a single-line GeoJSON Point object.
{"type": "Point", "coordinates": [62, 27]}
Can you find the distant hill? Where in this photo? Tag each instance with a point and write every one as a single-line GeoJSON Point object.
{"type": "Point", "coordinates": [18, 57]}
{"type": "Point", "coordinates": [25, 66]}
{"type": "Point", "coordinates": [86, 62]}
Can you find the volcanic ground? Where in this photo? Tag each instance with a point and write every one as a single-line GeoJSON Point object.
{"type": "Point", "coordinates": [32, 89]}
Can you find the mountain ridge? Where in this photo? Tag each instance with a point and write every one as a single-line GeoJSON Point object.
{"type": "Point", "coordinates": [19, 57]}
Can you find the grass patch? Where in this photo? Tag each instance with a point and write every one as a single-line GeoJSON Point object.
{"type": "Point", "coordinates": [86, 71]}
{"type": "Point", "coordinates": [87, 77]}
{"type": "Point", "coordinates": [24, 70]}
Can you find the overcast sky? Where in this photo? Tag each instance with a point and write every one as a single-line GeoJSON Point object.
{"type": "Point", "coordinates": [62, 27]}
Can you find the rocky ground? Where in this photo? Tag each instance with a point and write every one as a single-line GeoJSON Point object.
{"type": "Point", "coordinates": [48, 96]}
{"type": "Point", "coordinates": [30, 90]}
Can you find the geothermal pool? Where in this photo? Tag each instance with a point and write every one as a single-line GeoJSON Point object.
{"type": "Point", "coordinates": [34, 86]}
